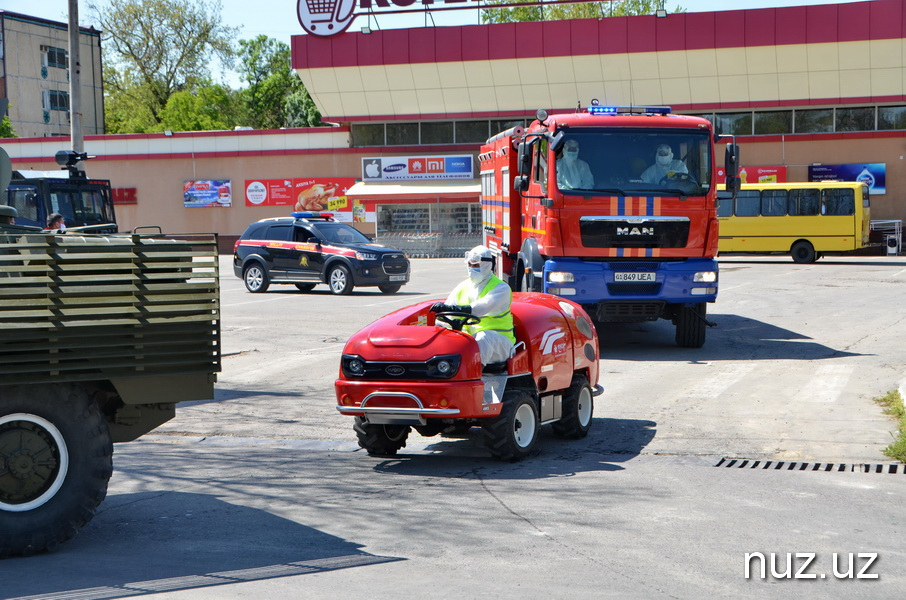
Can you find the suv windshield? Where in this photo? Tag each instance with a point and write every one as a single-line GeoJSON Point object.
{"type": "Point", "coordinates": [665, 162]}
{"type": "Point", "coordinates": [340, 233]}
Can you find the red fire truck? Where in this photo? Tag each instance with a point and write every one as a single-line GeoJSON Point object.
{"type": "Point", "coordinates": [611, 207]}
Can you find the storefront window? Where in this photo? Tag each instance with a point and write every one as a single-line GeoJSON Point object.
{"type": "Point", "coordinates": [368, 135]}
{"type": "Point", "coordinates": [892, 117]}
{"type": "Point", "coordinates": [471, 132]}
{"type": "Point", "coordinates": [855, 119]}
{"type": "Point", "coordinates": [814, 121]}
{"type": "Point", "coordinates": [402, 134]}
{"type": "Point", "coordinates": [437, 229]}
{"type": "Point", "coordinates": [437, 133]}
{"type": "Point", "coordinates": [734, 123]}
{"type": "Point", "coordinates": [498, 126]}
{"type": "Point", "coordinates": [774, 122]}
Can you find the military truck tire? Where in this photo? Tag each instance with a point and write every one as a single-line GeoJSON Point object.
{"type": "Point", "coordinates": [512, 435]}
{"type": "Point", "coordinates": [691, 325]}
{"type": "Point", "coordinates": [380, 440]}
{"type": "Point", "coordinates": [55, 462]}
{"type": "Point", "coordinates": [255, 277]}
{"type": "Point", "coordinates": [578, 408]}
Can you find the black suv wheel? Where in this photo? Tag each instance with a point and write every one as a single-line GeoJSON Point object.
{"type": "Point", "coordinates": [255, 278]}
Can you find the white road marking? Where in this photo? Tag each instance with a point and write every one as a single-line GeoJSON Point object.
{"type": "Point", "coordinates": [827, 384]}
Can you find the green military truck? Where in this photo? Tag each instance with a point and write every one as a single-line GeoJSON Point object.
{"type": "Point", "coordinates": [100, 337]}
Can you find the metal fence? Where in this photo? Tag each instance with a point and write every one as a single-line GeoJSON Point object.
{"type": "Point", "coordinates": [430, 245]}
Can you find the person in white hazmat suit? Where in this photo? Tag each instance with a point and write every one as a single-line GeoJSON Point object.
{"type": "Point", "coordinates": [572, 172]}
{"type": "Point", "coordinates": [486, 296]}
{"type": "Point", "coordinates": [664, 165]}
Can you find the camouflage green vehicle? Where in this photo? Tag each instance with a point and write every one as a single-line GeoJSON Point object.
{"type": "Point", "coordinates": [100, 337]}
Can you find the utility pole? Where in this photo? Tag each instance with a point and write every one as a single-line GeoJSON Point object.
{"type": "Point", "coordinates": [75, 83]}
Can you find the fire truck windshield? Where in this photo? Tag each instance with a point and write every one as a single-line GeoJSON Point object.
{"type": "Point", "coordinates": [629, 161]}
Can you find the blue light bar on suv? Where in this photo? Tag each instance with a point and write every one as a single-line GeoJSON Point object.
{"type": "Point", "coordinates": [615, 110]}
{"type": "Point", "coordinates": [312, 215]}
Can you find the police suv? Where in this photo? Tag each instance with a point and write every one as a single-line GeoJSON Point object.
{"type": "Point", "coordinates": [310, 248]}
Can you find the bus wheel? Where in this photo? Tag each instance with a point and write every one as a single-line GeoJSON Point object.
{"type": "Point", "coordinates": [803, 252]}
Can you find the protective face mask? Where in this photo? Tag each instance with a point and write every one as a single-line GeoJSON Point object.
{"type": "Point", "coordinates": [664, 160]}
{"type": "Point", "coordinates": [571, 154]}
{"type": "Point", "coordinates": [475, 274]}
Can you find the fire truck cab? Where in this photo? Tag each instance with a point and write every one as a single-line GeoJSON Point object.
{"type": "Point", "coordinates": [611, 207]}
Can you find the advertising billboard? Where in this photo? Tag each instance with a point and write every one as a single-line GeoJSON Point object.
{"type": "Point", "coordinates": [414, 168]}
{"type": "Point", "coordinates": [749, 174]}
{"type": "Point", "coordinates": [313, 194]}
{"type": "Point", "coordinates": [872, 174]}
{"type": "Point", "coordinates": [207, 193]}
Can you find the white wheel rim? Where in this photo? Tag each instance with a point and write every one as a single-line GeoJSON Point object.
{"type": "Point", "coordinates": [524, 426]}
{"type": "Point", "coordinates": [51, 429]}
{"type": "Point", "coordinates": [337, 279]}
{"type": "Point", "coordinates": [584, 406]}
{"type": "Point", "coordinates": [253, 277]}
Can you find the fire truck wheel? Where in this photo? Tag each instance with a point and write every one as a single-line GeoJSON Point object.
{"type": "Point", "coordinates": [691, 325]}
{"type": "Point", "coordinates": [380, 440]}
{"type": "Point", "coordinates": [340, 280]}
{"type": "Point", "coordinates": [255, 277]}
{"type": "Point", "coordinates": [803, 252]}
{"type": "Point", "coordinates": [513, 434]}
{"type": "Point", "coordinates": [578, 407]}
{"type": "Point", "coordinates": [55, 462]}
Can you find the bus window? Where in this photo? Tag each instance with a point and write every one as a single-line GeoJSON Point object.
{"type": "Point", "coordinates": [838, 202]}
{"type": "Point", "coordinates": [865, 201]}
{"type": "Point", "coordinates": [773, 203]}
{"type": "Point", "coordinates": [748, 203]}
{"type": "Point", "coordinates": [725, 207]}
{"type": "Point", "coordinates": [804, 202]}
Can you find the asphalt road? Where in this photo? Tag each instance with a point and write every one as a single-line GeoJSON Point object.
{"type": "Point", "coordinates": [263, 492]}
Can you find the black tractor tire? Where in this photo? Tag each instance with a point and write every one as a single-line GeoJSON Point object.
{"type": "Point", "coordinates": [255, 277]}
{"type": "Point", "coordinates": [577, 411]}
{"type": "Point", "coordinates": [380, 440]}
{"type": "Point", "coordinates": [803, 252]}
{"type": "Point", "coordinates": [390, 288]}
{"type": "Point", "coordinates": [339, 279]}
{"type": "Point", "coordinates": [512, 435]}
{"type": "Point", "coordinates": [55, 463]}
{"type": "Point", "coordinates": [691, 325]}
{"type": "Point", "coordinates": [305, 287]}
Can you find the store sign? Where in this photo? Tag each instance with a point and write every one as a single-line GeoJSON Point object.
{"type": "Point", "coordinates": [749, 174]}
{"type": "Point", "coordinates": [412, 168]}
{"type": "Point", "coordinates": [874, 175]}
{"type": "Point", "coordinates": [310, 194]}
{"type": "Point", "coordinates": [330, 17]}
{"type": "Point", "coordinates": [125, 196]}
{"type": "Point", "coordinates": [207, 193]}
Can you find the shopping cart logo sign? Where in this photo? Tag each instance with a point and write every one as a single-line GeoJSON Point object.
{"type": "Point", "coordinates": [325, 17]}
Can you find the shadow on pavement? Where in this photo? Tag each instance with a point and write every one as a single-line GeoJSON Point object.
{"type": "Point", "coordinates": [609, 442]}
{"type": "Point", "coordinates": [157, 542]}
{"type": "Point", "coordinates": [734, 338]}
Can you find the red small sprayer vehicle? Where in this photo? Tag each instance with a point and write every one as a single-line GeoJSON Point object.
{"type": "Point", "coordinates": [414, 369]}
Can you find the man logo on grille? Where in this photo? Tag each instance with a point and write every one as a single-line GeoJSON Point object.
{"type": "Point", "coordinates": [325, 17]}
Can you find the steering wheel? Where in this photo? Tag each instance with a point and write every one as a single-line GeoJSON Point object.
{"type": "Point", "coordinates": [457, 320]}
{"type": "Point", "coordinates": [676, 177]}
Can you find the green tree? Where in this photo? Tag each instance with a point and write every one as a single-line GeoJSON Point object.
{"type": "Point", "coordinates": [208, 108]}
{"type": "Point", "coordinates": [275, 96]}
{"type": "Point", "coordinates": [155, 48]}
{"type": "Point", "coordinates": [6, 128]}
{"type": "Point", "coordinates": [555, 12]}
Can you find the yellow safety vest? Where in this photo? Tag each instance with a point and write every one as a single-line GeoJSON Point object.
{"type": "Point", "coordinates": [502, 323]}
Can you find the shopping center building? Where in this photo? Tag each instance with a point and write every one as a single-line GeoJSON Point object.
{"type": "Point", "coordinates": [801, 88]}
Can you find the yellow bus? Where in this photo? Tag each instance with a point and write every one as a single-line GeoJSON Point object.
{"type": "Point", "coordinates": [805, 219]}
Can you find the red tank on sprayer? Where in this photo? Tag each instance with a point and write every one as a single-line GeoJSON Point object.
{"type": "Point", "coordinates": [611, 207]}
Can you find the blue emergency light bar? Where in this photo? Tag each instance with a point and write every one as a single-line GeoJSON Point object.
{"type": "Point", "coordinates": [616, 110]}
{"type": "Point", "coordinates": [312, 215]}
